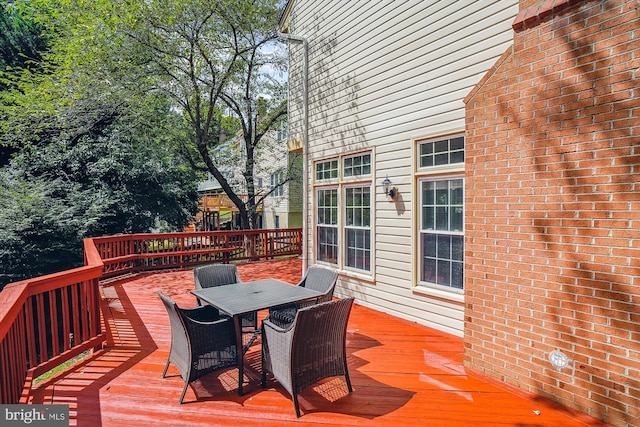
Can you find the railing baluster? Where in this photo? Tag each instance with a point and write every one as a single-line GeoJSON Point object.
{"type": "Point", "coordinates": [6, 381]}
{"type": "Point", "coordinates": [94, 313]}
{"type": "Point", "coordinates": [83, 332]}
{"type": "Point", "coordinates": [53, 321]}
{"type": "Point", "coordinates": [20, 351]}
{"type": "Point", "coordinates": [31, 337]}
{"type": "Point", "coordinates": [66, 324]}
{"type": "Point", "coordinates": [75, 308]}
{"type": "Point", "coordinates": [42, 328]}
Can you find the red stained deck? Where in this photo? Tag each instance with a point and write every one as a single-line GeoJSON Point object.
{"type": "Point", "coordinates": [403, 374]}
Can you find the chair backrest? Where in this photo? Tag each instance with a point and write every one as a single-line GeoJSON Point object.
{"type": "Point", "coordinates": [179, 337]}
{"type": "Point", "coordinates": [215, 275]}
{"type": "Point", "coordinates": [172, 310]}
{"type": "Point", "coordinates": [321, 280]}
{"type": "Point", "coordinates": [320, 332]}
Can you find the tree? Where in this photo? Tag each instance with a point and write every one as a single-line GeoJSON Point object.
{"type": "Point", "coordinates": [92, 158]}
{"type": "Point", "coordinates": [114, 178]}
{"type": "Point", "coordinates": [38, 232]}
{"type": "Point", "coordinates": [21, 40]}
{"type": "Point", "coordinates": [208, 55]}
{"type": "Point", "coordinates": [21, 44]}
{"type": "Point", "coordinates": [210, 58]}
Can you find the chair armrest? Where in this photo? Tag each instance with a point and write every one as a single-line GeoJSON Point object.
{"type": "Point", "coordinates": [276, 349]}
{"type": "Point", "coordinates": [218, 330]}
{"type": "Point", "coordinates": [274, 328]}
{"type": "Point", "coordinates": [283, 307]}
{"type": "Point", "coordinates": [277, 337]}
{"type": "Point", "coordinates": [205, 313]}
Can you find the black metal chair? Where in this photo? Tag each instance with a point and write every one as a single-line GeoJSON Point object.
{"type": "Point", "coordinates": [316, 278]}
{"type": "Point", "coordinates": [218, 275]}
{"type": "Point", "coordinates": [310, 349]}
{"type": "Point", "coordinates": [201, 341]}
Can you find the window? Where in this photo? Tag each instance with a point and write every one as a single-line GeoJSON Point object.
{"type": "Point", "coordinates": [282, 132]}
{"type": "Point", "coordinates": [441, 216]}
{"type": "Point", "coordinates": [442, 152]}
{"type": "Point", "coordinates": [442, 240]}
{"type": "Point", "coordinates": [277, 185]}
{"type": "Point", "coordinates": [343, 214]}
{"type": "Point", "coordinates": [326, 170]}
{"type": "Point", "coordinates": [327, 223]}
{"type": "Point", "coordinates": [357, 165]}
{"type": "Point", "coordinates": [358, 227]}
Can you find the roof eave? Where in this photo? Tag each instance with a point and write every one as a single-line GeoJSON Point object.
{"type": "Point", "coordinates": [283, 24]}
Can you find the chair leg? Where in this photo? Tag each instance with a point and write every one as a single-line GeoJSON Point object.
{"type": "Point", "coordinates": [184, 390]}
{"type": "Point", "coordinates": [164, 373]}
{"type": "Point", "coordinates": [296, 404]}
{"type": "Point", "coordinates": [263, 355]}
{"type": "Point", "coordinates": [263, 381]}
{"type": "Point", "coordinates": [346, 377]}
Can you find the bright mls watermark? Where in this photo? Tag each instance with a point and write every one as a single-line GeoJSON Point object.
{"type": "Point", "coordinates": [34, 415]}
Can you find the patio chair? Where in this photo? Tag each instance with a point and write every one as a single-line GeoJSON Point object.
{"type": "Point", "coordinates": [316, 278]}
{"type": "Point", "coordinates": [312, 348]}
{"type": "Point", "coordinates": [212, 275]}
{"type": "Point", "coordinates": [201, 341]}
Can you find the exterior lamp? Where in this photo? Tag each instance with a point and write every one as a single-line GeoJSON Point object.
{"type": "Point", "coordinates": [389, 191]}
{"type": "Point", "coordinates": [559, 360]}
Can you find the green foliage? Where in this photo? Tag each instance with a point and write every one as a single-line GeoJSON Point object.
{"type": "Point", "coordinates": [21, 40]}
{"type": "Point", "coordinates": [21, 44]}
{"type": "Point", "coordinates": [87, 172]}
{"type": "Point", "coordinates": [38, 231]}
{"type": "Point", "coordinates": [117, 90]}
{"type": "Point", "coordinates": [118, 180]}
{"type": "Point", "coordinates": [203, 56]}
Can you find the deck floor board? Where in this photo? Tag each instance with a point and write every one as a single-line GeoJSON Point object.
{"type": "Point", "coordinates": [403, 374]}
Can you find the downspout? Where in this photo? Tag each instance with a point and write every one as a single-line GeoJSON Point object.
{"type": "Point", "coordinates": [305, 140]}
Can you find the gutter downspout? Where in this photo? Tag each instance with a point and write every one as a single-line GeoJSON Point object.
{"type": "Point", "coordinates": [305, 141]}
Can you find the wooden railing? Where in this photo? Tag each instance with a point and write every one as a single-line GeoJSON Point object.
{"type": "Point", "coordinates": [134, 253]}
{"type": "Point", "coordinates": [45, 322]}
{"type": "Point", "coordinates": [48, 320]}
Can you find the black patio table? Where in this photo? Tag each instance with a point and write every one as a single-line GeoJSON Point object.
{"type": "Point", "coordinates": [247, 297]}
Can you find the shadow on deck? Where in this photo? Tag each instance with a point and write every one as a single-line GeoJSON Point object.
{"type": "Point", "coordinates": [402, 373]}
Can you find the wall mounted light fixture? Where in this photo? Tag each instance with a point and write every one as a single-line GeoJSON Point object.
{"type": "Point", "coordinates": [559, 360]}
{"type": "Point", "coordinates": [389, 191]}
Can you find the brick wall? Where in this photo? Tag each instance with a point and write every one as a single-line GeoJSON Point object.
{"type": "Point", "coordinates": [553, 208]}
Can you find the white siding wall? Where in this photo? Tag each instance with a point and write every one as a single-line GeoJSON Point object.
{"type": "Point", "coordinates": [286, 207]}
{"type": "Point", "coordinates": [382, 74]}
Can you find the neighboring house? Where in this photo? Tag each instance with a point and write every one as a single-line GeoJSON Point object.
{"type": "Point", "coordinates": [277, 176]}
{"type": "Point", "coordinates": [509, 135]}
{"type": "Point", "coordinates": [283, 206]}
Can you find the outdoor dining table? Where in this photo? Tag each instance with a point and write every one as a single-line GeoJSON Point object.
{"type": "Point", "coordinates": [247, 297]}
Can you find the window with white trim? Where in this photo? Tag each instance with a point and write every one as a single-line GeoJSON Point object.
{"type": "Point", "coordinates": [326, 170]}
{"type": "Point", "coordinates": [327, 224]}
{"type": "Point", "coordinates": [276, 184]}
{"type": "Point", "coordinates": [357, 228]}
{"type": "Point", "coordinates": [441, 216]}
{"type": "Point", "coordinates": [359, 165]}
{"type": "Point", "coordinates": [343, 211]}
{"type": "Point", "coordinates": [442, 152]}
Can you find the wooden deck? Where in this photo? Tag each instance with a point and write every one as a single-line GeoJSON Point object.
{"type": "Point", "coordinates": [403, 374]}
